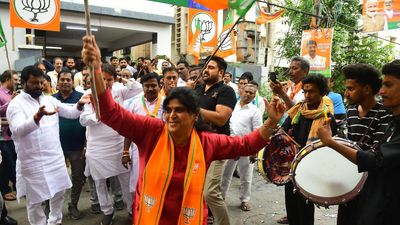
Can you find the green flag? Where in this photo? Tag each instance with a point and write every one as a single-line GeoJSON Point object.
{"type": "Point", "coordinates": [3, 40]}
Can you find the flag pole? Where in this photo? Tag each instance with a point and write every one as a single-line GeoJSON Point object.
{"type": "Point", "coordinates": [8, 58]}
{"type": "Point", "coordinates": [91, 66]}
{"type": "Point", "coordinates": [218, 47]}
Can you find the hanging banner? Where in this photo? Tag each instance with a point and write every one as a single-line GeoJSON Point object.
{"type": "Point", "coordinates": [229, 45]}
{"type": "Point", "coordinates": [316, 46]}
{"type": "Point", "coordinates": [3, 40]}
{"type": "Point", "coordinates": [379, 15]}
{"type": "Point", "coordinates": [39, 14]}
{"type": "Point", "coordinates": [208, 22]}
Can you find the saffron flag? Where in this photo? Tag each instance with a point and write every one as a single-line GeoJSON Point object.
{"type": "Point", "coordinates": [194, 47]}
{"type": "Point", "coordinates": [229, 45]}
{"type": "Point", "coordinates": [3, 40]}
{"type": "Point", "coordinates": [39, 14]}
{"type": "Point", "coordinates": [266, 17]}
{"type": "Point", "coordinates": [208, 24]}
{"type": "Point", "coordinates": [241, 6]}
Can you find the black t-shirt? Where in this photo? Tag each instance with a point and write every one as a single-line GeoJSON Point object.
{"type": "Point", "coordinates": [218, 94]}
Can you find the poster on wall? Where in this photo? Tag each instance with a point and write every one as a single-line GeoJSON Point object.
{"type": "Point", "coordinates": [316, 46]}
{"type": "Point", "coordinates": [41, 15]}
{"type": "Point", "coordinates": [207, 23]}
{"type": "Point", "coordinates": [379, 15]}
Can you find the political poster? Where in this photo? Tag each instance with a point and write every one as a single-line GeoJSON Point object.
{"type": "Point", "coordinates": [379, 15]}
{"type": "Point", "coordinates": [207, 22]}
{"type": "Point", "coordinates": [316, 47]}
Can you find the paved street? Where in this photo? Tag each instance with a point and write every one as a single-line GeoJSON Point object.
{"type": "Point", "coordinates": [267, 206]}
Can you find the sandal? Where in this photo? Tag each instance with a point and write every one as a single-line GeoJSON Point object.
{"type": "Point", "coordinates": [283, 220]}
{"type": "Point", "coordinates": [245, 206]}
{"type": "Point", "coordinates": [9, 196]}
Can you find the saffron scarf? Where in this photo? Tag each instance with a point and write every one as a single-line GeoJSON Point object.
{"type": "Point", "coordinates": [153, 114]}
{"type": "Point", "coordinates": [317, 115]}
{"type": "Point", "coordinates": [157, 176]}
{"type": "Point", "coordinates": [294, 89]}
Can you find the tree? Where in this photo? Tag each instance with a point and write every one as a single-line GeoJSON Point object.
{"type": "Point", "coordinates": [349, 44]}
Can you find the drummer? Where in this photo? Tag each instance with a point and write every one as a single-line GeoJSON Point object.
{"type": "Point", "coordinates": [379, 201]}
{"type": "Point", "coordinates": [367, 119]}
{"type": "Point", "coordinates": [302, 123]}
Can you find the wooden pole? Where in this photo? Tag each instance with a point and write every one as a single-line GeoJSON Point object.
{"type": "Point", "coordinates": [91, 66]}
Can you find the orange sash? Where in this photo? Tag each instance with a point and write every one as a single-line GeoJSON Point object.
{"type": "Point", "coordinates": [162, 92]}
{"type": "Point", "coordinates": [294, 89]}
{"type": "Point", "coordinates": [157, 176]}
{"type": "Point", "coordinates": [154, 114]}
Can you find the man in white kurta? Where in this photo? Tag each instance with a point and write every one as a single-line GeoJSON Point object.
{"type": "Point", "coordinates": [41, 170]}
{"type": "Point", "coordinates": [148, 104]}
{"type": "Point", "coordinates": [246, 117]}
{"type": "Point", "coordinates": [105, 146]}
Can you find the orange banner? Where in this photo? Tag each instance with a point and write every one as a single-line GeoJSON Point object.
{"type": "Point", "coordinates": [39, 14]}
{"type": "Point", "coordinates": [208, 27]}
{"type": "Point", "coordinates": [316, 46]}
{"type": "Point", "coordinates": [381, 15]}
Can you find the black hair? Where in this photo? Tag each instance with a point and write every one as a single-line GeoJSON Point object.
{"type": "Point", "coordinates": [150, 76]}
{"type": "Point", "coordinates": [70, 57]}
{"type": "Point", "coordinates": [109, 69]}
{"type": "Point", "coordinates": [253, 82]}
{"type": "Point", "coordinates": [248, 75]}
{"type": "Point", "coordinates": [311, 42]}
{"type": "Point", "coordinates": [191, 101]}
{"type": "Point", "coordinates": [318, 80]}
{"type": "Point", "coordinates": [169, 69]}
{"type": "Point", "coordinates": [194, 68]}
{"type": "Point", "coordinates": [56, 58]}
{"type": "Point", "coordinates": [128, 58]}
{"type": "Point", "coordinates": [230, 74]}
{"type": "Point", "coordinates": [222, 65]}
{"type": "Point", "coordinates": [364, 74]}
{"type": "Point", "coordinates": [184, 62]}
{"type": "Point", "coordinates": [7, 75]}
{"type": "Point", "coordinates": [29, 71]}
{"type": "Point", "coordinates": [112, 58]}
{"type": "Point", "coordinates": [140, 58]}
{"type": "Point", "coordinates": [243, 78]}
{"type": "Point", "coordinates": [65, 71]}
{"type": "Point", "coordinates": [304, 63]}
{"type": "Point", "coordinates": [392, 69]}
{"type": "Point", "coordinates": [146, 58]}
{"type": "Point", "coordinates": [123, 58]}
{"type": "Point", "coordinates": [47, 78]}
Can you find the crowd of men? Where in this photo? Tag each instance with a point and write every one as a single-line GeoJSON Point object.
{"type": "Point", "coordinates": [42, 135]}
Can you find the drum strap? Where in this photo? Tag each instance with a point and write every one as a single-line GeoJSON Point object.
{"type": "Point", "coordinates": [369, 126]}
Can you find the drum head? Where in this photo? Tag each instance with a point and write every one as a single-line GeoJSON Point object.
{"type": "Point", "coordinates": [324, 176]}
{"type": "Point", "coordinates": [276, 158]}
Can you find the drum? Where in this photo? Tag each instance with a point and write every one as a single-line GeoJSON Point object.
{"type": "Point", "coordinates": [274, 161]}
{"type": "Point", "coordinates": [324, 176]}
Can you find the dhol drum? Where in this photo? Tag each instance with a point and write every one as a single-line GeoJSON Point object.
{"type": "Point", "coordinates": [274, 161]}
{"type": "Point", "coordinates": [324, 176]}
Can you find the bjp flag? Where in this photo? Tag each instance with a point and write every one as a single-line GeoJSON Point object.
{"type": "Point", "coordinates": [266, 17]}
{"type": "Point", "coordinates": [228, 47]}
{"type": "Point", "coordinates": [241, 6]}
{"type": "Point", "coordinates": [35, 14]}
{"type": "Point", "coordinates": [195, 44]}
{"type": "Point", "coordinates": [207, 22]}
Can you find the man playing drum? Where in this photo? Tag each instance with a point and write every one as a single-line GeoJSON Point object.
{"type": "Point", "coordinates": [379, 201]}
{"type": "Point", "coordinates": [302, 123]}
{"type": "Point", "coordinates": [367, 119]}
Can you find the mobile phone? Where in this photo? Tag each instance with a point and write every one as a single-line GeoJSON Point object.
{"type": "Point", "coordinates": [162, 56]}
{"type": "Point", "coordinates": [272, 77]}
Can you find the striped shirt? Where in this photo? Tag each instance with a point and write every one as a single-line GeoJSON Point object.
{"type": "Point", "coordinates": [373, 125]}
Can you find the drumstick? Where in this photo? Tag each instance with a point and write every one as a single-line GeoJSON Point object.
{"type": "Point", "coordinates": [291, 139]}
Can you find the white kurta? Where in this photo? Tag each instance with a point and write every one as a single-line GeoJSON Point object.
{"type": "Point", "coordinates": [104, 145]}
{"type": "Point", "coordinates": [41, 169]}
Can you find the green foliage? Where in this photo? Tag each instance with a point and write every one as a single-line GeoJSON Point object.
{"type": "Point", "coordinates": [349, 45]}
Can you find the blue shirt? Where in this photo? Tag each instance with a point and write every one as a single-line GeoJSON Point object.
{"type": "Point", "coordinates": [337, 103]}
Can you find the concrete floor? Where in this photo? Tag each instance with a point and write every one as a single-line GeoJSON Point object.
{"type": "Point", "coordinates": [267, 206]}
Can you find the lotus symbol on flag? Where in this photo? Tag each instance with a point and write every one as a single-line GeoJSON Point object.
{"type": "Point", "coordinates": [205, 27]}
{"type": "Point", "coordinates": [36, 7]}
